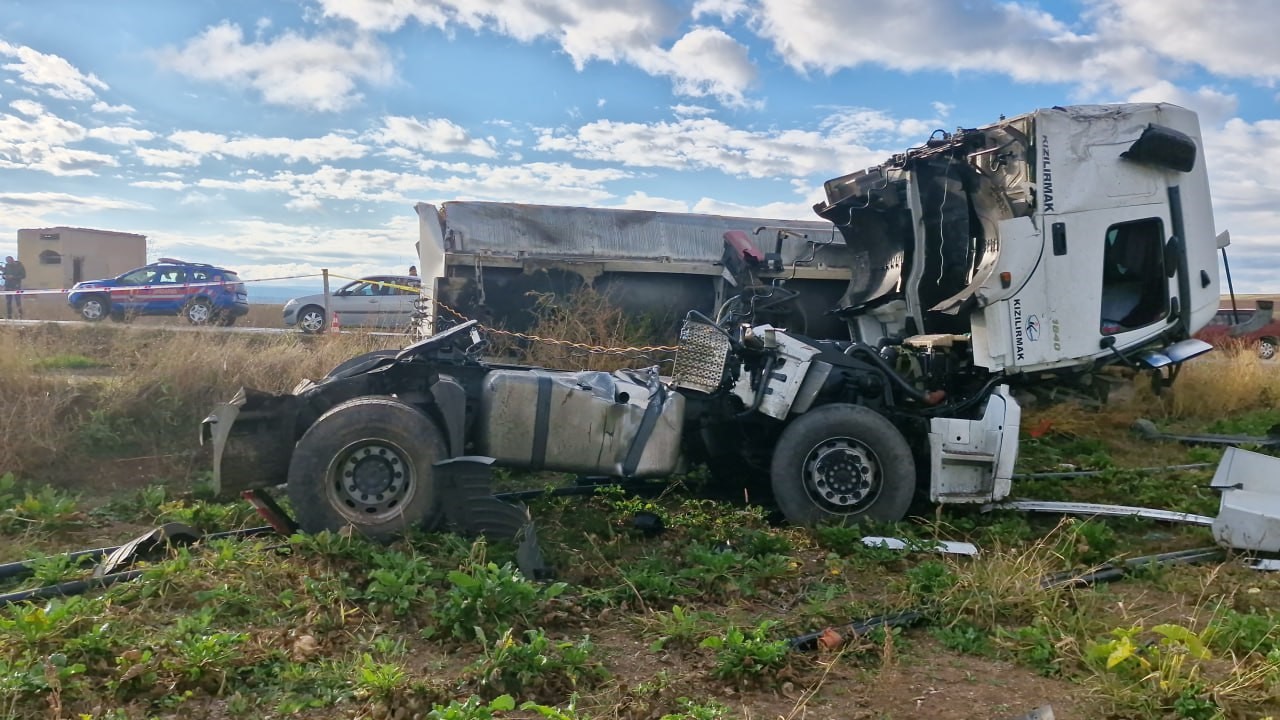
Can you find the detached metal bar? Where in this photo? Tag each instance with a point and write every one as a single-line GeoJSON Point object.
{"type": "Point", "coordinates": [1077, 508]}
{"type": "Point", "coordinates": [74, 587]}
{"type": "Point", "coordinates": [24, 568]}
{"type": "Point", "coordinates": [1106, 573]}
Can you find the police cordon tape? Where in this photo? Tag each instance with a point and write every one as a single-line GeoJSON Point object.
{"type": "Point", "coordinates": [153, 286]}
{"type": "Point", "coordinates": [591, 349]}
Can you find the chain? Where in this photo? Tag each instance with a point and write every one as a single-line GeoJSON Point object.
{"type": "Point", "coordinates": [584, 347]}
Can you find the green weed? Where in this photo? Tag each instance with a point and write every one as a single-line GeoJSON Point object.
{"type": "Point", "coordinates": [678, 628]}
{"type": "Point", "coordinates": [748, 657]}
{"type": "Point", "coordinates": [536, 666]}
{"type": "Point", "coordinates": [489, 598]}
{"type": "Point", "coordinates": [963, 636]}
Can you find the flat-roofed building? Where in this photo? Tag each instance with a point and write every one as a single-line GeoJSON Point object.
{"type": "Point", "coordinates": [59, 257]}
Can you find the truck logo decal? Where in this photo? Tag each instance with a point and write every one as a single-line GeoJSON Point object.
{"type": "Point", "coordinates": [1046, 175]}
{"type": "Point", "coordinates": [1018, 350]}
{"type": "Point", "coordinates": [1033, 328]}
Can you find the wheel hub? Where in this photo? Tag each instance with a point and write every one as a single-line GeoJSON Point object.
{"type": "Point", "coordinates": [312, 321]}
{"type": "Point", "coordinates": [842, 474]}
{"type": "Point", "coordinates": [371, 480]}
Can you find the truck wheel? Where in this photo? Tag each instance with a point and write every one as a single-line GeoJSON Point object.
{"type": "Point", "coordinates": [844, 464]}
{"type": "Point", "coordinates": [367, 463]}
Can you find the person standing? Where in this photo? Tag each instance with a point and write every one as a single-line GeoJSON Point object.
{"type": "Point", "coordinates": [413, 271]}
{"type": "Point", "coordinates": [14, 273]}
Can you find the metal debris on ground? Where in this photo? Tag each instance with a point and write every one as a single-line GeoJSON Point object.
{"type": "Point", "coordinates": [112, 569]}
{"type": "Point", "coordinates": [1149, 431]}
{"type": "Point", "coordinates": [1077, 508]}
{"type": "Point", "coordinates": [947, 547]}
{"type": "Point", "coordinates": [1249, 508]}
{"type": "Point", "coordinates": [907, 618]}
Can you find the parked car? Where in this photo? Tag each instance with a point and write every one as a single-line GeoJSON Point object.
{"type": "Point", "coordinates": [380, 301]}
{"type": "Point", "coordinates": [167, 287]}
{"type": "Point", "coordinates": [1265, 338]}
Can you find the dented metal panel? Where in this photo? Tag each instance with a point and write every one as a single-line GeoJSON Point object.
{"type": "Point", "coordinates": [521, 230]}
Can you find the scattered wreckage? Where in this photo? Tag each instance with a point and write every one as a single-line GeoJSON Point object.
{"type": "Point", "coordinates": [1033, 251]}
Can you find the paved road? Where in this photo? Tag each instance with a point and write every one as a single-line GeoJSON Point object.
{"type": "Point", "coordinates": [187, 328]}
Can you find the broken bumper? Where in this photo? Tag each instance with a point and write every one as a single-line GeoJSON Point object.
{"type": "Point", "coordinates": [252, 438]}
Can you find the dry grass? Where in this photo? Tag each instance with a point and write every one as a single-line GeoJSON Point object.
{"type": "Point", "coordinates": [1223, 383]}
{"type": "Point", "coordinates": [587, 317]}
{"type": "Point", "coordinates": [152, 387]}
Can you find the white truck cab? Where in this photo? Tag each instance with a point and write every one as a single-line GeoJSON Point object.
{"type": "Point", "coordinates": [1055, 239]}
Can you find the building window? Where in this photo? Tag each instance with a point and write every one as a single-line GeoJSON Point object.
{"type": "Point", "coordinates": [1135, 289]}
{"type": "Point", "coordinates": [50, 236]}
{"type": "Point", "coordinates": [50, 257]}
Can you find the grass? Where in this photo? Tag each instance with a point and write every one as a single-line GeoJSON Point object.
{"type": "Point", "coordinates": [690, 622]}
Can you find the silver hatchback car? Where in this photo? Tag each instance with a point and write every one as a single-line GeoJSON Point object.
{"type": "Point", "coordinates": [377, 301]}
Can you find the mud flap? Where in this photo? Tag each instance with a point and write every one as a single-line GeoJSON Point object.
{"type": "Point", "coordinates": [470, 508]}
{"type": "Point", "coordinates": [253, 439]}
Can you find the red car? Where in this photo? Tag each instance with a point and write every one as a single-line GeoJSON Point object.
{"type": "Point", "coordinates": [1257, 328]}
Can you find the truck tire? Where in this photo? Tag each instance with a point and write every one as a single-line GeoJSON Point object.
{"type": "Point", "coordinates": [842, 464]}
{"type": "Point", "coordinates": [367, 463]}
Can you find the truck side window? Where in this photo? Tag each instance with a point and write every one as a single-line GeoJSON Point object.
{"type": "Point", "coordinates": [1135, 290]}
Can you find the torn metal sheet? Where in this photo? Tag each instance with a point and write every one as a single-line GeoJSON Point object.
{"type": "Point", "coordinates": [1149, 431]}
{"type": "Point", "coordinates": [1075, 508]}
{"type": "Point", "coordinates": [947, 547]}
{"type": "Point", "coordinates": [1249, 509]}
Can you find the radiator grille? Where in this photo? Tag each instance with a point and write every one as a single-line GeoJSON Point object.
{"type": "Point", "coordinates": [701, 357]}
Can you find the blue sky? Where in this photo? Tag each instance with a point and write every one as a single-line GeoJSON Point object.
{"type": "Point", "coordinates": [280, 137]}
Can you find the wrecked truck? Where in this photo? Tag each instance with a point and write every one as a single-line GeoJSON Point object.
{"type": "Point", "coordinates": [1030, 252]}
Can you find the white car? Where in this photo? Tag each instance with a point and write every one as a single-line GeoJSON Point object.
{"type": "Point", "coordinates": [377, 301]}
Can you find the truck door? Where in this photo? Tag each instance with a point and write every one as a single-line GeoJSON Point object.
{"type": "Point", "coordinates": [1107, 279]}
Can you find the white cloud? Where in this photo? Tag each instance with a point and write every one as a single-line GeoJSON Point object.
{"type": "Point", "coordinates": [1013, 39]}
{"type": "Point", "coordinates": [319, 73]}
{"type": "Point", "coordinates": [707, 62]}
{"type": "Point", "coordinates": [102, 107]}
{"type": "Point", "coordinates": [842, 144]}
{"type": "Point", "coordinates": [1212, 106]}
{"type": "Point", "coordinates": [432, 182]}
{"type": "Point", "coordinates": [267, 249]}
{"type": "Point", "coordinates": [167, 158]}
{"type": "Point", "coordinates": [691, 110]}
{"type": "Point", "coordinates": [160, 184]}
{"type": "Point", "coordinates": [332, 146]}
{"type": "Point", "coordinates": [726, 10]}
{"type": "Point", "coordinates": [1226, 37]}
{"type": "Point", "coordinates": [704, 61]}
{"type": "Point", "coordinates": [640, 200]}
{"type": "Point", "coordinates": [120, 135]}
{"type": "Point", "coordinates": [434, 135]}
{"type": "Point", "coordinates": [43, 209]}
{"type": "Point", "coordinates": [39, 140]}
{"type": "Point", "coordinates": [52, 74]}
